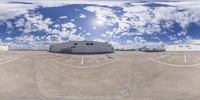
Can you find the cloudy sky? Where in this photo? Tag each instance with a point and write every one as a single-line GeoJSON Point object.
{"type": "Point", "coordinates": [123, 23]}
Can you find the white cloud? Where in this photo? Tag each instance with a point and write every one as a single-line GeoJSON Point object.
{"type": "Point", "coordinates": [54, 39]}
{"type": "Point", "coordinates": [9, 39]}
{"type": "Point", "coordinates": [9, 11]}
{"type": "Point", "coordinates": [88, 33]}
{"type": "Point", "coordinates": [190, 40]}
{"type": "Point", "coordinates": [63, 17]}
{"type": "Point", "coordinates": [140, 18]}
{"type": "Point", "coordinates": [94, 27]}
{"type": "Point", "coordinates": [172, 37]}
{"type": "Point", "coordinates": [145, 20]}
{"type": "Point", "coordinates": [28, 42]}
{"type": "Point", "coordinates": [184, 17]}
{"type": "Point", "coordinates": [35, 23]}
{"type": "Point", "coordinates": [72, 20]}
{"type": "Point", "coordinates": [181, 33]}
{"type": "Point", "coordinates": [50, 3]}
{"type": "Point", "coordinates": [82, 16]}
{"type": "Point", "coordinates": [103, 14]}
{"type": "Point", "coordinates": [66, 31]}
{"type": "Point", "coordinates": [20, 22]}
{"type": "Point", "coordinates": [99, 40]}
{"type": "Point", "coordinates": [68, 25]}
{"type": "Point", "coordinates": [178, 41]}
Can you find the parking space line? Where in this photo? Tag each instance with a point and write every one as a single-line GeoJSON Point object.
{"type": "Point", "coordinates": [95, 59]}
{"type": "Point", "coordinates": [170, 58]}
{"type": "Point", "coordinates": [105, 58]}
{"type": "Point", "coordinates": [82, 60]}
{"type": "Point", "coordinates": [171, 65]}
{"type": "Point", "coordinates": [185, 59]}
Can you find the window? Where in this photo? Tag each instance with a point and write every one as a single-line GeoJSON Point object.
{"type": "Point", "coordinates": [75, 43]}
{"type": "Point", "coordinates": [87, 43]}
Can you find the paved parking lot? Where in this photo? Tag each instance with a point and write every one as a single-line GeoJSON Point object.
{"type": "Point", "coordinates": [178, 59]}
{"type": "Point", "coordinates": [124, 75]}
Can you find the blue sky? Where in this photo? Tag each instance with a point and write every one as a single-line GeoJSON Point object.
{"type": "Point", "coordinates": [35, 24]}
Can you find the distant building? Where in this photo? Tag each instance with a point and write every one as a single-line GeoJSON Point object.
{"type": "Point", "coordinates": [152, 48]}
{"type": "Point", "coordinates": [3, 48]}
{"type": "Point", "coordinates": [81, 47]}
{"type": "Point", "coordinates": [190, 47]}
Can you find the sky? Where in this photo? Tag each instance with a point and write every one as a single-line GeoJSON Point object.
{"type": "Point", "coordinates": [124, 23]}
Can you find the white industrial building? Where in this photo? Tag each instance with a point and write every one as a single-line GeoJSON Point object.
{"type": "Point", "coordinates": [190, 47]}
{"type": "Point", "coordinates": [81, 47]}
{"type": "Point", "coordinates": [3, 48]}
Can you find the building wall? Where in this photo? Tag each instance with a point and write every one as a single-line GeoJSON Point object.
{"type": "Point", "coordinates": [81, 47]}
{"type": "Point", "coordinates": [3, 48]}
{"type": "Point", "coordinates": [183, 48]}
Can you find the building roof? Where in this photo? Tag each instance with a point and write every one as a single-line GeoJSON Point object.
{"type": "Point", "coordinates": [80, 41]}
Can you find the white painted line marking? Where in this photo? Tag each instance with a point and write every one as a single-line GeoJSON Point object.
{"type": "Point", "coordinates": [170, 58]}
{"type": "Point", "coordinates": [95, 59]}
{"type": "Point", "coordinates": [80, 67]}
{"type": "Point", "coordinates": [163, 56]}
{"type": "Point", "coordinates": [185, 58]}
{"type": "Point", "coordinates": [105, 58]}
{"type": "Point", "coordinates": [82, 60]}
{"type": "Point", "coordinates": [174, 65]}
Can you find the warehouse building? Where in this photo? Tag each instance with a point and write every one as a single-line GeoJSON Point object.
{"type": "Point", "coordinates": [81, 47]}
{"type": "Point", "coordinates": [190, 47]}
{"type": "Point", "coordinates": [3, 48]}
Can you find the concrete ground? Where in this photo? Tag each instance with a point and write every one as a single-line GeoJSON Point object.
{"type": "Point", "coordinates": [124, 75]}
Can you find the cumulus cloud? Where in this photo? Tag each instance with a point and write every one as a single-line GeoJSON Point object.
{"type": "Point", "coordinates": [129, 21]}
{"type": "Point", "coordinates": [103, 14]}
{"type": "Point", "coordinates": [146, 20]}
{"type": "Point", "coordinates": [36, 23]}
{"type": "Point", "coordinates": [88, 33]}
{"type": "Point", "coordinates": [9, 39]}
{"type": "Point", "coordinates": [63, 17]}
{"type": "Point", "coordinates": [12, 8]}
{"type": "Point", "coordinates": [9, 11]}
{"type": "Point", "coordinates": [68, 25]}
{"type": "Point", "coordinates": [33, 23]}
{"type": "Point", "coordinates": [82, 16]}
{"type": "Point", "coordinates": [99, 40]}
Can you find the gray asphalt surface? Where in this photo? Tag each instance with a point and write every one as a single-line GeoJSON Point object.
{"type": "Point", "coordinates": [128, 75]}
